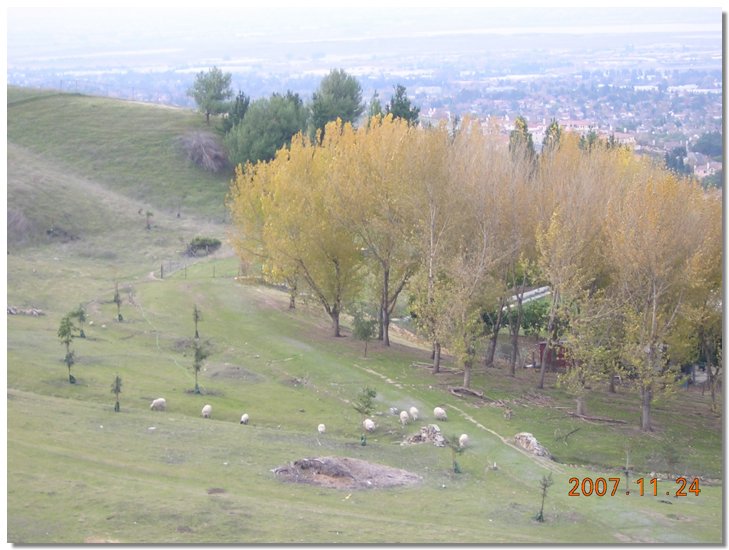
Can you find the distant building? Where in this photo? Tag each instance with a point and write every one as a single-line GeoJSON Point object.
{"type": "Point", "coordinates": [580, 126]}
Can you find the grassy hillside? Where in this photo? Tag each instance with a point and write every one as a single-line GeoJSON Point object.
{"type": "Point", "coordinates": [130, 148]}
{"type": "Point", "coordinates": [78, 471]}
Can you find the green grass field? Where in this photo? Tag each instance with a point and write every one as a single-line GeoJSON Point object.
{"type": "Point", "coordinates": [79, 472]}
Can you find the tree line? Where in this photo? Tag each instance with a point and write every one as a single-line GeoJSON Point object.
{"type": "Point", "coordinates": [465, 224]}
{"type": "Point", "coordinates": [254, 130]}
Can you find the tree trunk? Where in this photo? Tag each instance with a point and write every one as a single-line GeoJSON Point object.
{"type": "Point", "coordinates": [491, 349]}
{"type": "Point", "coordinates": [334, 314]}
{"type": "Point", "coordinates": [611, 387]}
{"type": "Point", "coordinates": [515, 336]}
{"type": "Point", "coordinates": [436, 357]}
{"type": "Point", "coordinates": [385, 307]}
{"type": "Point", "coordinates": [292, 299]}
{"type": "Point", "coordinates": [380, 331]}
{"type": "Point", "coordinates": [580, 408]}
{"type": "Point", "coordinates": [645, 414]}
{"type": "Point", "coordinates": [543, 368]}
{"type": "Point", "coordinates": [548, 356]}
{"type": "Point", "coordinates": [467, 364]}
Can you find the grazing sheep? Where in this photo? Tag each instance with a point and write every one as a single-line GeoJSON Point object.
{"type": "Point", "coordinates": [414, 413]}
{"type": "Point", "coordinates": [440, 414]}
{"type": "Point", "coordinates": [404, 418]}
{"type": "Point", "coordinates": [158, 404]}
{"type": "Point", "coordinates": [463, 440]}
{"type": "Point", "coordinates": [368, 425]}
{"type": "Point", "coordinates": [207, 410]}
{"type": "Point", "coordinates": [244, 419]}
{"type": "Point", "coordinates": [321, 428]}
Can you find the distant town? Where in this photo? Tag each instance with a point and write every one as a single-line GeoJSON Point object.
{"type": "Point", "coordinates": [658, 92]}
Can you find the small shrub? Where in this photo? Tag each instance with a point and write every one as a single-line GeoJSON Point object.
{"type": "Point", "coordinates": [364, 329]}
{"type": "Point", "coordinates": [116, 390]}
{"type": "Point", "coordinates": [205, 150]}
{"type": "Point", "coordinates": [544, 484]}
{"type": "Point", "coordinates": [202, 246]}
{"type": "Point", "coordinates": [365, 402]}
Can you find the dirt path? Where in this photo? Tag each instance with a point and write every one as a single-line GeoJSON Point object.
{"type": "Point", "coordinates": [540, 461]}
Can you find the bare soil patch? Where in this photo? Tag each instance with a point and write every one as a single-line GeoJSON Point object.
{"type": "Point", "coordinates": [231, 372]}
{"type": "Point", "coordinates": [344, 473]}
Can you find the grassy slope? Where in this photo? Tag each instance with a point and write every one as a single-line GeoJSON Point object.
{"type": "Point", "coordinates": [70, 479]}
{"type": "Point", "coordinates": [132, 148]}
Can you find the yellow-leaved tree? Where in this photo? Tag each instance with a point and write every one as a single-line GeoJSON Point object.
{"type": "Point", "coordinates": [434, 209]}
{"type": "Point", "coordinates": [375, 194]}
{"type": "Point", "coordinates": [655, 231]}
{"type": "Point", "coordinates": [574, 186]}
{"type": "Point", "coordinates": [285, 211]}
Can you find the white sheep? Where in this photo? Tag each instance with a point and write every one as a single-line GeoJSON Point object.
{"type": "Point", "coordinates": [414, 413]}
{"type": "Point", "coordinates": [244, 419]}
{"type": "Point", "coordinates": [440, 414]}
{"type": "Point", "coordinates": [404, 418]}
{"type": "Point", "coordinates": [368, 425]}
{"type": "Point", "coordinates": [321, 428]}
{"type": "Point", "coordinates": [207, 410]}
{"type": "Point", "coordinates": [158, 404]}
{"type": "Point", "coordinates": [463, 441]}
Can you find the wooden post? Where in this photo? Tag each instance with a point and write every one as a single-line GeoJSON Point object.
{"type": "Point", "coordinates": [161, 271]}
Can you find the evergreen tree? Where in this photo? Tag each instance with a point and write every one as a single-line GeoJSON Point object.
{"type": "Point", "coordinates": [401, 107]}
{"type": "Point", "coordinates": [339, 96]}
{"type": "Point", "coordinates": [210, 91]}
{"type": "Point", "coordinates": [236, 112]}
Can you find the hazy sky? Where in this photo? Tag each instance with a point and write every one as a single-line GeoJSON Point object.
{"type": "Point", "coordinates": [38, 31]}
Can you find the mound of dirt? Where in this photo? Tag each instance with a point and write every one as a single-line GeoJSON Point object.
{"type": "Point", "coordinates": [233, 372]}
{"type": "Point", "coordinates": [344, 473]}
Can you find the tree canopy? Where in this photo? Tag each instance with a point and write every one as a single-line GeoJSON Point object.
{"type": "Point", "coordinates": [211, 92]}
{"type": "Point", "coordinates": [520, 138]}
{"type": "Point", "coordinates": [464, 224]}
{"type": "Point", "coordinates": [339, 96]}
{"type": "Point", "coordinates": [401, 107]}
{"type": "Point", "coordinates": [710, 144]}
{"type": "Point", "coordinates": [236, 111]}
{"type": "Point", "coordinates": [268, 125]}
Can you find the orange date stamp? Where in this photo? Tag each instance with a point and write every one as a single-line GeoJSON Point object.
{"type": "Point", "coordinates": [601, 487]}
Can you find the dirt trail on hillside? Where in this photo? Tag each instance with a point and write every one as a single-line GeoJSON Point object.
{"type": "Point", "coordinates": [541, 461]}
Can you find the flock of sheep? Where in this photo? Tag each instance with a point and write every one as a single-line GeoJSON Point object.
{"type": "Point", "coordinates": [160, 404]}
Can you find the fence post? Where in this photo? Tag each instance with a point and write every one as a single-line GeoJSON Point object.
{"type": "Point", "coordinates": [161, 271]}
